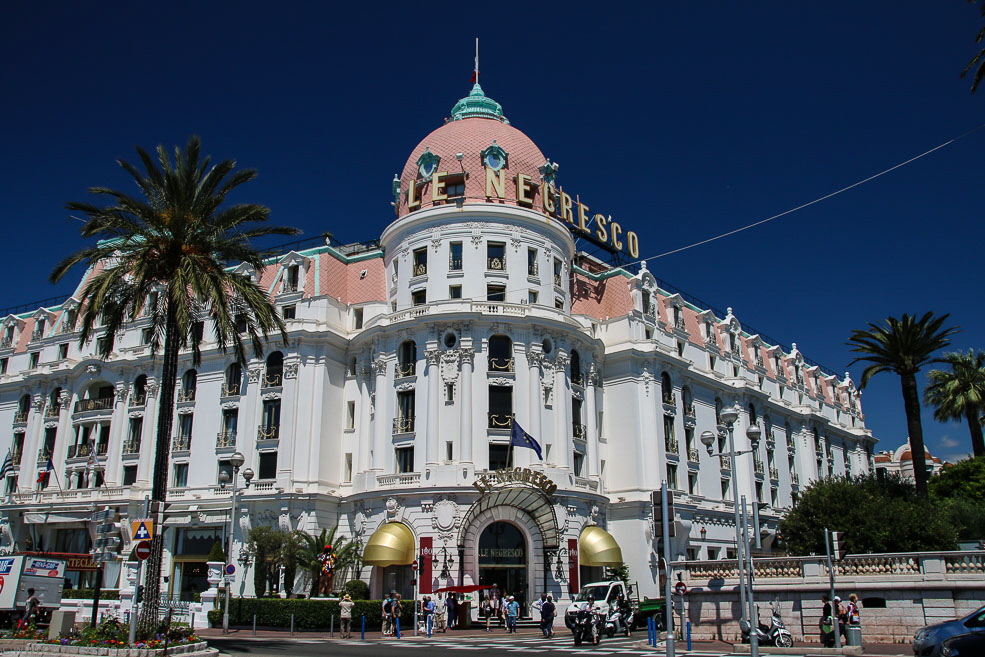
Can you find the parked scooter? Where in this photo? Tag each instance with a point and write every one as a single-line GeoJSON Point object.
{"type": "Point", "coordinates": [776, 633]}
{"type": "Point", "coordinates": [619, 621]}
{"type": "Point", "coordinates": [587, 625]}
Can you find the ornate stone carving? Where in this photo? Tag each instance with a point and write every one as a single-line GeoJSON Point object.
{"type": "Point", "coordinates": [577, 394]}
{"type": "Point", "coordinates": [230, 405]}
{"type": "Point", "coordinates": [379, 367]}
{"type": "Point", "coordinates": [122, 392]}
{"type": "Point", "coordinates": [432, 356]}
{"type": "Point", "coordinates": [561, 361]}
{"type": "Point", "coordinates": [647, 378]}
{"type": "Point", "coordinates": [273, 394]}
{"type": "Point", "coordinates": [253, 373]}
{"type": "Point", "coordinates": [93, 369]}
{"type": "Point", "coordinates": [515, 240]}
{"type": "Point", "coordinates": [449, 366]}
{"type": "Point", "coordinates": [37, 403]}
{"type": "Point", "coordinates": [23, 429]}
{"type": "Point", "coordinates": [445, 518]}
{"type": "Point", "coordinates": [501, 381]}
{"type": "Point", "coordinates": [291, 370]}
{"type": "Point", "coordinates": [136, 414]}
{"type": "Point", "coordinates": [392, 507]}
{"type": "Point", "coordinates": [185, 409]}
{"type": "Point", "coordinates": [467, 355]}
{"type": "Point", "coordinates": [152, 387]}
{"type": "Point", "coordinates": [593, 376]}
{"type": "Point", "coordinates": [435, 240]}
{"type": "Point", "coordinates": [404, 387]}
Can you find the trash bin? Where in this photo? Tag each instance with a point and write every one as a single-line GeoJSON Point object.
{"type": "Point", "coordinates": [464, 613]}
{"type": "Point", "coordinates": [853, 634]}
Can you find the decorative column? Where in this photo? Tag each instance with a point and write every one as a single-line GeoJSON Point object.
{"type": "Point", "coordinates": [465, 426]}
{"type": "Point", "coordinates": [119, 426]}
{"type": "Point", "coordinates": [148, 434]}
{"type": "Point", "coordinates": [562, 412]}
{"type": "Point", "coordinates": [287, 460]}
{"type": "Point", "coordinates": [591, 419]}
{"type": "Point", "coordinates": [34, 442]}
{"type": "Point", "coordinates": [434, 378]}
{"type": "Point", "coordinates": [379, 437]}
{"type": "Point", "coordinates": [534, 359]}
{"type": "Point", "coordinates": [364, 427]}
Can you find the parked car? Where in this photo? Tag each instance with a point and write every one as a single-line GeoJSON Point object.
{"type": "Point", "coordinates": [928, 641]}
{"type": "Point", "coordinates": [964, 645]}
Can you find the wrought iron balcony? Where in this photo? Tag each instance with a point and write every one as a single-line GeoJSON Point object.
{"type": "Point", "coordinates": [794, 478]}
{"type": "Point", "coordinates": [689, 410]}
{"type": "Point", "coordinates": [16, 455]}
{"type": "Point", "coordinates": [557, 280]}
{"type": "Point", "coordinates": [138, 400]}
{"type": "Point", "coordinates": [420, 269]}
{"type": "Point", "coordinates": [102, 449]}
{"type": "Point", "coordinates": [671, 445]}
{"type": "Point", "coordinates": [20, 417]}
{"type": "Point", "coordinates": [131, 447]}
{"type": "Point", "coordinates": [43, 456]}
{"type": "Point", "coordinates": [268, 432]}
{"type": "Point", "coordinates": [726, 462]}
{"type": "Point", "coordinates": [578, 430]}
{"type": "Point", "coordinates": [225, 439]}
{"type": "Point", "coordinates": [186, 395]}
{"type": "Point", "coordinates": [181, 443]}
{"type": "Point", "coordinates": [454, 264]}
{"type": "Point", "coordinates": [405, 369]}
{"type": "Point", "coordinates": [774, 474]}
{"type": "Point", "coordinates": [289, 286]}
{"type": "Point", "coordinates": [500, 420]}
{"type": "Point", "coordinates": [230, 389]}
{"type": "Point", "coordinates": [759, 467]}
{"type": "Point", "coordinates": [98, 404]}
{"type": "Point", "coordinates": [759, 360]}
{"type": "Point", "coordinates": [403, 425]}
{"type": "Point", "coordinates": [692, 455]}
{"type": "Point", "coordinates": [500, 364]}
{"type": "Point", "coordinates": [710, 340]}
{"type": "Point", "coordinates": [577, 378]}
{"type": "Point", "coordinates": [6, 342]}
{"type": "Point", "coordinates": [36, 335]}
{"type": "Point", "coordinates": [670, 398]}
{"type": "Point", "coordinates": [496, 264]}
{"type": "Point", "coordinates": [679, 323]}
{"type": "Point", "coordinates": [273, 379]}
{"type": "Point", "coordinates": [532, 269]}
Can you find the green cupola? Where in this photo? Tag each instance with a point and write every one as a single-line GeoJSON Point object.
{"type": "Point", "coordinates": [477, 105]}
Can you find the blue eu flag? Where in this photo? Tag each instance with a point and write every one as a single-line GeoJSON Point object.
{"type": "Point", "coordinates": [520, 438]}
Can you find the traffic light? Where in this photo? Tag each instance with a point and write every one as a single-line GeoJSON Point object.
{"type": "Point", "coordinates": [655, 499]}
{"type": "Point", "coordinates": [838, 550]}
{"type": "Point", "coordinates": [139, 595]}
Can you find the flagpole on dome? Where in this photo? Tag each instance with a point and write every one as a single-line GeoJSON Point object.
{"type": "Point", "coordinates": [475, 73]}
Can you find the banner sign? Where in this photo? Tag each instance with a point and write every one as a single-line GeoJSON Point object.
{"type": "Point", "coordinates": [572, 565]}
{"type": "Point", "coordinates": [427, 560]}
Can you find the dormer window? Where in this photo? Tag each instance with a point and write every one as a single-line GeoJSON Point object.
{"type": "Point", "coordinates": [292, 278]}
{"type": "Point", "coordinates": [494, 157]}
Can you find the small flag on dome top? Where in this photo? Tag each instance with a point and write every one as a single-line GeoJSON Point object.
{"type": "Point", "coordinates": [475, 72]}
{"type": "Point", "coordinates": [520, 438]}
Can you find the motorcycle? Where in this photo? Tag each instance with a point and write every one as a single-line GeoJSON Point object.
{"type": "Point", "coordinates": [776, 633]}
{"type": "Point", "coordinates": [619, 622]}
{"type": "Point", "coordinates": [587, 626]}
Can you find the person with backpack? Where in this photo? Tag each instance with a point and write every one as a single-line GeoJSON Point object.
{"type": "Point", "coordinates": [487, 611]}
{"type": "Point", "coordinates": [548, 611]}
{"type": "Point", "coordinates": [387, 615]}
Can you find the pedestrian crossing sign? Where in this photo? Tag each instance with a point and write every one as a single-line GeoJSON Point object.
{"type": "Point", "coordinates": [142, 530]}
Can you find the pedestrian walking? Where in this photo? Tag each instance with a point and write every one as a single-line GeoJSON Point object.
{"type": "Point", "coordinates": [345, 614]}
{"type": "Point", "coordinates": [512, 612]}
{"type": "Point", "coordinates": [852, 610]}
{"type": "Point", "coordinates": [440, 614]}
{"type": "Point", "coordinates": [396, 609]}
{"type": "Point", "coordinates": [31, 608]}
{"type": "Point", "coordinates": [452, 603]}
{"type": "Point", "coordinates": [386, 615]}
{"type": "Point", "coordinates": [826, 623]}
{"type": "Point", "coordinates": [487, 611]}
{"type": "Point", "coordinates": [548, 612]}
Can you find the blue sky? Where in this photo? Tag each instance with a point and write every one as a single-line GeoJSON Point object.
{"type": "Point", "coordinates": [681, 119]}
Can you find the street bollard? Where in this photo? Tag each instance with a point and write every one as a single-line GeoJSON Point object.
{"type": "Point", "coordinates": [254, 624]}
{"type": "Point", "coordinates": [689, 635]}
{"type": "Point", "coordinates": [649, 631]}
{"type": "Point", "coordinates": [396, 624]}
{"type": "Point", "coordinates": [292, 624]}
{"type": "Point", "coordinates": [362, 632]}
{"type": "Point", "coordinates": [428, 623]}
{"type": "Point", "coordinates": [653, 633]}
{"type": "Point", "coordinates": [331, 627]}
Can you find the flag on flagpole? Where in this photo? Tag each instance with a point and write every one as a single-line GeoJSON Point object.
{"type": "Point", "coordinates": [520, 438]}
{"type": "Point", "coordinates": [8, 466]}
{"type": "Point", "coordinates": [43, 475]}
{"type": "Point", "coordinates": [475, 71]}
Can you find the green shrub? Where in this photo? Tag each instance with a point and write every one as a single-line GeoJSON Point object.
{"type": "Point", "coordinates": [217, 553]}
{"type": "Point", "coordinates": [358, 589]}
{"type": "Point", "coordinates": [86, 594]}
{"type": "Point", "coordinates": [309, 614]}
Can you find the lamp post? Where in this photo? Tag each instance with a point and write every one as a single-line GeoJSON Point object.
{"type": "Point", "coordinates": [236, 460]}
{"type": "Point", "coordinates": [729, 416]}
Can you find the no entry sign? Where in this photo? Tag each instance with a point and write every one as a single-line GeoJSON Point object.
{"type": "Point", "coordinates": [142, 550]}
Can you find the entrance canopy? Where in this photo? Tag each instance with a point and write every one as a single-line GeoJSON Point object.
{"type": "Point", "coordinates": [520, 496]}
{"type": "Point", "coordinates": [390, 545]}
{"type": "Point", "coordinates": [471, 588]}
{"type": "Point", "coordinates": [596, 547]}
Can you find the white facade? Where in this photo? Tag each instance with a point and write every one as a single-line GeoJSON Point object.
{"type": "Point", "coordinates": [406, 363]}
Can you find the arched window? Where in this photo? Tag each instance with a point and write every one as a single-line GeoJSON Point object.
{"type": "Point", "coordinates": [233, 380]}
{"type": "Point", "coordinates": [23, 408]}
{"type": "Point", "coordinates": [666, 388]}
{"type": "Point", "coordinates": [189, 382]}
{"type": "Point", "coordinates": [274, 375]}
{"type": "Point", "coordinates": [139, 397]}
{"type": "Point", "coordinates": [576, 376]}
{"type": "Point", "coordinates": [54, 405]}
{"type": "Point", "coordinates": [500, 354]}
{"type": "Point", "coordinates": [407, 358]}
{"type": "Point", "coordinates": [688, 400]}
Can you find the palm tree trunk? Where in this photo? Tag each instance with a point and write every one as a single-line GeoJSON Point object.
{"type": "Point", "coordinates": [975, 426]}
{"type": "Point", "coordinates": [911, 404]}
{"type": "Point", "coordinates": [159, 490]}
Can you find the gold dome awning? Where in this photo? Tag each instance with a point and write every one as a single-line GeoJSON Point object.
{"type": "Point", "coordinates": [390, 545]}
{"type": "Point", "coordinates": [596, 547]}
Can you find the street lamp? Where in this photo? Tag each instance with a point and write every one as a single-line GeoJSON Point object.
{"type": "Point", "coordinates": [236, 460]}
{"type": "Point", "coordinates": [729, 416]}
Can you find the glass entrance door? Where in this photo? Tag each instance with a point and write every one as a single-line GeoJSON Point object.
{"type": "Point", "coordinates": [503, 562]}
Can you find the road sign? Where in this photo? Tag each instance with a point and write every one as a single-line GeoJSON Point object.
{"type": "Point", "coordinates": [142, 550]}
{"type": "Point", "coordinates": [414, 566]}
{"type": "Point", "coordinates": [108, 528]}
{"type": "Point", "coordinates": [680, 588]}
{"type": "Point", "coordinates": [143, 530]}
{"type": "Point", "coordinates": [104, 556]}
{"type": "Point", "coordinates": [107, 542]}
{"type": "Point", "coordinates": [103, 516]}
{"type": "Point", "coordinates": [230, 569]}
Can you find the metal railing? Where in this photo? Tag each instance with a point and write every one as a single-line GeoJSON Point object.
{"type": "Point", "coordinates": [774, 474]}
{"type": "Point", "coordinates": [405, 369]}
{"type": "Point", "coordinates": [671, 445]}
{"type": "Point", "coordinates": [500, 364]}
{"type": "Point", "coordinates": [726, 462]}
{"type": "Point", "coordinates": [577, 378]}
{"type": "Point", "coordinates": [454, 264]}
{"type": "Point", "coordinates": [273, 379]}
{"type": "Point", "coordinates": [679, 323]}
{"type": "Point", "coordinates": [268, 432]}
{"type": "Point", "coordinates": [670, 398]}
{"type": "Point", "coordinates": [557, 280]}
{"type": "Point", "coordinates": [420, 269]}
{"type": "Point", "coordinates": [403, 425]}
{"type": "Point", "coordinates": [20, 417]}
{"type": "Point", "coordinates": [186, 395]}
{"type": "Point", "coordinates": [98, 404]}
{"type": "Point", "coordinates": [138, 400]}
{"type": "Point", "coordinates": [230, 390]}
{"type": "Point", "coordinates": [692, 455]}
{"type": "Point", "coordinates": [6, 342]}
{"type": "Point", "coordinates": [578, 430]}
{"type": "Point", "coordinates": [289, 286]}
{"type": "Point", "coordinates": [532, 269]}
{"type": "Point", "coordinates": [37, 335]}
{"type": "Point", "coordinates": [181, 443]}
{"type": "Point", "coordinates": [500, 420]}
{"type": "Point", "coordinates": [131, 447]}
{"type": "Point", "coordinates": [496, 264]}
{"type": "Point", "coordinates": [758, 467]}
{"type": "Point", "coordinates": [689, 410]}
{"type": "Point", "coordinates": [225, 439]}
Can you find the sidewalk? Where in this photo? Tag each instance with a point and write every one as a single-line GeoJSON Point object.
{"type": "Point", "coordinates": [562, 636]}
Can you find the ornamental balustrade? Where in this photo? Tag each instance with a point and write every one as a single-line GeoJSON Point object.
{"type": "Point", "coordinates": [6, 343]}
{"type": "Point", "coordinates": [774, 474]}
{"type": "Point", "coordinates": [290, 286]}
{"type": "Point", "coordinates": [406, 369]}
{"type": "Point", "coordinates": [795, 478]}
{"type": "Point", "coordinates": [679, 323]}
{"type": "Point", "coordinates": [186, 395]}
{"type": "Point", "coordinates": [577, 378]}
{"type": "Point", "coordinates": [689, 410]}
{"type": "Point", "coordinates": [230, 390]}
{"type": "Point", "coordinates": [500, 364]}
{"type": "Point", "coordinates": [44, 455]}
{"type": "Point", "coordinates": [98, 404]}
{"type": "Point", "coordinates": [671, 444]}
{"type": "Point", "coordinates": [138, 400]}
{"type": "Point", "coordinates": [36, 335]}
{"type": "Point", "coordinates": [403, 425]}
{"type": "Point", "coordinates": [16, 455]}
{"type": "Point", "coordinates": [726, 462]}
{"type": "Point", "coordinates": [273, 379]}
{"type": "Point", "coordinates": [532, 269]}
{"type": "Point", "coordinates": [455, 264]}
{"type": "Point", "coordinates": [692, 454]}
{"type": "Point", "coordinates": [268, 432]}
{"type": "Point", "coordinates": [20, 417]}
{"type": "Point", "coordinates": [758, 467]}
{"type": "Point", "coordinates": [496, 264]}
{"type": "Point", "coordinates": [557, 280]}
{"type": "Point", "coordinates": [670, 398]}
{"type": "Point", "coordinates": [225, 439]}
{"type": "Point", "coordinates": [181, 443]}
{"type": "Point", "coordinates": [420, 269]}
{"type": "Point", "coordinates": [131, 447]}
{"type": "Point", "coordinates": [394, 480]}
{"type": "Point", "coordinates": [500, 420]}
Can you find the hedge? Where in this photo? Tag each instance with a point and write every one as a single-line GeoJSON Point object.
{"type": "Point", "coordinates": [308, 614]}
{"type": "Point", "coordinates": [86, 594]}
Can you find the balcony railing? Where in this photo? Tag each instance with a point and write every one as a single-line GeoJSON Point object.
{"type": "Point", "coordinates": [578, 430]}
{"type": "Point", "coordinates": [6, 342]}
{"type": "Point", "coordinates": [454, 264]}
{"type": "Point", "coordinates": [406, 369]}
{"type": "Point", "coordinates": [98, 404]}
{"type": "Point", "coordinates": [496, 264]}
{"type": "Point", "coordinates": [726, 462]}
{"type": "Point", "coordinates": [131, 447]}
{"type": "Point", "coordinates": [557, 280]}
{"type": "Point", "coordinates": [186, 395]}
{"type": "Point", "coordinates": [230, 390]}
{"type": "Point", "coordinates": [500, 420]}
{"type": "Point", "coordinates": [20, 417]}
{"type": "Point", "coordinates": [671, 444]}
{"type": "Point", "coordinates": [670, 398]}
{"type": "Point", "coordinates": [181, 443]}
{"type": "Point", "coordinates": [759, 361]}
{"type": "Point", "coordinates": [689, 410]}
{"type": "Point", "coordinates": [43, 455]}
{"type": "Point", "coordinates": [403, 425]}
{"type": "Point", "coordinates": [794, 478]}
{"type": "Point", "coordinates": [577, 378]}
{"type": "Point", "coordinates": [692, 455]}
{"type": "Point", "coordinates": [138, 400]}
{"type": "Point", "coordinates": [710, 340]}
{"type": "Point", "coordinates": [225, 439]}
{"type": "Point", "coordinates": [759, 467]}
{"type": "Point", "coordinates": [290, 286]}
{"type": "Point", "coordinates": [37, 335]}
{"type": "Point", "coordinates": [500, 364]}
{"type": "Point", "coordinates": [268, 432]}
{"type": "Point", "coordinates": [420, 269]}
{"type": "Point", "coordinates": [679, 323]}
{"type": "Point", "coordinates": [273, 379]}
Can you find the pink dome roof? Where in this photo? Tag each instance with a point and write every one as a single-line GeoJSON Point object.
{"type": "Point", "coordinates": [470, 136]}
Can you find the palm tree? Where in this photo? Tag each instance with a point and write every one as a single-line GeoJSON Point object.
{"type": "Point", "coordinates": [960, 393]}
{"type": "Point", "coordinates": [979, 59]}
{"type": "Point", "coordinates": [170, 245]}
{"type": "Point", "coordinates": [346, 549]}
{"type": "Point", "coordinates": [904, 346]}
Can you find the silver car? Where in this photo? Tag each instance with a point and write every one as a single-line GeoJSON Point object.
{"type": "Point", "coordinates": [927, 641]}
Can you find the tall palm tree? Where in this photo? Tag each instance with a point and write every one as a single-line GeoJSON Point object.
{"type": "Point", "coordinates": [979, 59]}
{"type": "Point", "coordinates": [903, 346]}
{"type": "Point", "coordinates": [170, 244]}
{"type": "Point", "coordinates": [960, 393]}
